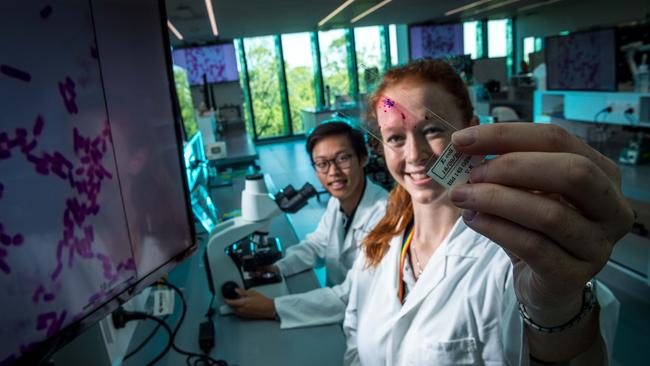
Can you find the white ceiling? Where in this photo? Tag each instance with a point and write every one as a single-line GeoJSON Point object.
{"type": "Point", "coordinates": [246, 18]}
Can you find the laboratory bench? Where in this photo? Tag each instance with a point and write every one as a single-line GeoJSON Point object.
{"type": "Point", "coordinates": [239, 341]}
{"type": "Point", "coordinates": [240, 149]}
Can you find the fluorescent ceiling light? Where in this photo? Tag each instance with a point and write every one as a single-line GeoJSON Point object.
{"type": "Point", "coordinates": [336, 11]}
{"type": "Point", "coordinates": [468, 6]}
{"type": "Point", "coordinates": [494, 6]}
{"type": "Point", "coordinates": [362, 15]}
{"type": "Point", "coordinates": [213, 23]}
{"type": "Point", "coordinates": [174, 30]}
{"type": "Point", "coordinates": [537, 5]}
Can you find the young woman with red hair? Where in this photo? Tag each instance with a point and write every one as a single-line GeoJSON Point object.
{"type": "Point", "coordinates": [493, 272]}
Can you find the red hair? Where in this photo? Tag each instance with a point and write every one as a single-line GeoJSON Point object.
{"type": "Point", "coordinates": [399, 211]}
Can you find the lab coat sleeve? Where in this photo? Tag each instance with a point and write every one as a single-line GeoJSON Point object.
{"type": "Point", "coordinates": [304, 255]}
{"type": "Point", "coordinates": [609, 310]}
{"type": "Point", "coordinates": [355, 275]}
{"type": "Point", "coordinates": [317, 307]}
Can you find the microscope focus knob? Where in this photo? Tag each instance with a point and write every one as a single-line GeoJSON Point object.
{"type": "Point", "coordinates": [228, 290]}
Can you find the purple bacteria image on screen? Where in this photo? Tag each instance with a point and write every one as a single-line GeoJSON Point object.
{"type": "Point", "coordinates": [436, 41]}
{"type": "Point", "coordinates": [15, 73]}
{"type": "Point", "coordinates": [218, 63]}
{"type": "Point", "coordinates": [57, 167]}
{"type": "Point", "coordinates": [582, 61]}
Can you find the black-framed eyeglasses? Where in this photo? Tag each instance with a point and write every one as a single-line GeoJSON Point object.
{"type": "Point", "coordinates": [342, 161]}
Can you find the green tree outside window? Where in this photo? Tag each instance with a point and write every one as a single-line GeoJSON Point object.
{"type": "Point", "coordinates": [334, 62]}
{"type": "Point", "coordinates": [299, 70]}
{"type": "Point", "coordinates": [264, 86]}
{"type": "Point", "coordinates": [185, 100]}
{"type": "Point", "coordinates": [368, 50]}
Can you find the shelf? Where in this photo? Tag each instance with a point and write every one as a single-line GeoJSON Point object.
{"type": "Point", "coordinates": [588, 107]}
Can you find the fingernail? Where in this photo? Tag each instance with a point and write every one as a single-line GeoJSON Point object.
{"type": "Point", "coordinates": [478, 173]}
{"type": "Point", "coordinates": [464, 137]}
{"type": "Point", "coordinates": [460, 193]}
{"type": "Point", "coordinates": [469, 215]}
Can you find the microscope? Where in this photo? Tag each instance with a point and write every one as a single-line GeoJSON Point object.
{"type": "Point", "coordinates": [239, 249]}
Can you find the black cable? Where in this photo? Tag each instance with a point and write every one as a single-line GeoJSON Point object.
{"type": "Point", "coordinates": [207, 360]}
{"type": "Point", "coordinates": [146, 340]}
{"type": "Point", "coordinates": [211, 311]}
{"type": "Point", "coordinates": [604, 110]}
{"type": "Point", "coordinates": [170, 341]}
{"type": "Point", "coordinates": [629, 114]}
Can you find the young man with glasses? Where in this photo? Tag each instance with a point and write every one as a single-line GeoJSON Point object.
{"type": "Point", "coordinates": [338, 153]}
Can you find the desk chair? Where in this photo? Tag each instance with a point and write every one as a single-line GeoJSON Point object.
{"type": "Point", "coordinates": [504, 114]}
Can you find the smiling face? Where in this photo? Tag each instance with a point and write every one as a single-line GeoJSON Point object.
{"type": "Point", "coordinates": [345, 178]}
{"type": "Point", "coordinates": [413, 137]}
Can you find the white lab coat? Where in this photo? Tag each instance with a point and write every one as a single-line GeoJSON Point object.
{"type": "Point", "coordinates": [327, 305]}
{"type": "Point", "coordinates": [461, 311]}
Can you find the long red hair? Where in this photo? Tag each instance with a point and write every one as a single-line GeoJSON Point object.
{"type": "Point", "coordinates": [399, 211]}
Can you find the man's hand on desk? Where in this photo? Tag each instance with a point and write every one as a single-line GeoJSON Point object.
{"type": "Point", "coordinates": [252, 305]}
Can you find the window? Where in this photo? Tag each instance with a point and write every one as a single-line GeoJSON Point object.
{"type": "Point", "coordinates": [281, 75]}
{"type": "Point", "coordinates": [243, 83]}
{"type": "Point", "coordinates": [334, 64]}
{"type": "Point", "coordinates": [497, 38]}
{"type": "Point", "coordinates": [392, 37]}
{"type": "Point", "coordinates": [470, 40]}
{"type": "Point", "coordinates": [529, 46]}
{"type": "Point", "coordinates": [299, 70]}
{"type": "Point", "coordinates": [368, 50]}
{"type": "Point", "coordinates": [264, 82]}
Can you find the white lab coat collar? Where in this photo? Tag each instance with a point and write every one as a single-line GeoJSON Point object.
{"type": "Point", "coordinates": [371, 195]}
{"type": "Point", "coordinates": [365, 209]}
{"type": "Point", "coordinates": [459, 243]}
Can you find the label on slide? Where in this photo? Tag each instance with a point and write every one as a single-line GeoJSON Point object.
{"type": "Point", "coordinates": [452, 167]}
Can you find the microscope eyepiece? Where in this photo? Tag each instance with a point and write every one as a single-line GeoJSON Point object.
{"type": "Point", "coordinates": [254, 177]}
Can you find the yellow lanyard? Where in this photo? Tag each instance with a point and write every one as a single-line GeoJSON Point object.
{"type": "Point", "coordinates": [406, 244]}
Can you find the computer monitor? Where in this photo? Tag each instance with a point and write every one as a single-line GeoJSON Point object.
{"type": "Point", "coordinates": [93, 193]}
{"type": "Point", "coordinates": [195, 162]}
{"type": "Point", "coordinates": [217, 62]}
{"type": "Point", "coordinates": [436, 40]}
{"type": "Point", "coordinates": [198, 181]}
{"type": "Point", "coordinates": [582, 61]}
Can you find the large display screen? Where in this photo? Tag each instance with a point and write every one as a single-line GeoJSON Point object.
{"type": "Point", "coordinates": [582, 61]}
{"type": "Point", "coordinates": [436, 41]}
{"type": "Point", "coordinates": [93, 196]}
{"type": "Point", "coordinates": [217, 63]}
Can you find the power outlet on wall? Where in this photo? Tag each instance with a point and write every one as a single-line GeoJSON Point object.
{"type": "Point", "coordinates": [619, 107]}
